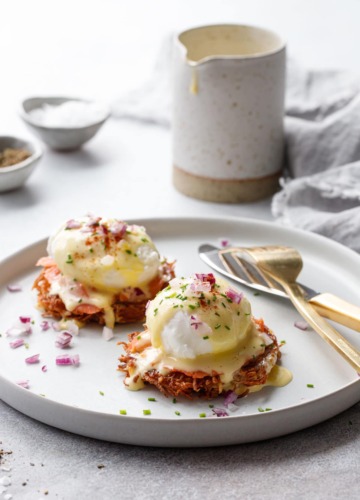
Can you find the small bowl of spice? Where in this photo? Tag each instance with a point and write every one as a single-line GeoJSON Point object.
{"type": "Point", "coordinates": [63, 123]}
{"type": "Point", "coordinates": [18, 159]}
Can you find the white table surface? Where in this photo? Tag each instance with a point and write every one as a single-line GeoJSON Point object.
{"type": "Point", "coordinates": [100, 49]}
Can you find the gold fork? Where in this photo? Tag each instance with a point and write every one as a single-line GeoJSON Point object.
{"type": "Point", "coordinates": [283, 265]}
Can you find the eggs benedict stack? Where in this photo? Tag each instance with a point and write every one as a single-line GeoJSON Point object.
{"type": "Point", "coordinates": [100, 270]}
{"type": "Point", "coordinates": [200, 339]}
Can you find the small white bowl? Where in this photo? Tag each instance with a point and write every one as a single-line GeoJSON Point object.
{"type": "Point", "coordinates": [15, 176]}
{"type": "Point", "coordinates": [60, 138]}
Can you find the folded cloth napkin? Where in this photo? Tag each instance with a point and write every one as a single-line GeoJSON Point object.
{"type": "Point", "coordinates": [321, 187]}
{"type": "Point", "coordinates": [327, 203]}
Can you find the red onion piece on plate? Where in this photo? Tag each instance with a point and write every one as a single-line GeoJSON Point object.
{"type": "Point", "coordinates": [32, 359]}
{"type": "Point", "coordinates": [66, 360]}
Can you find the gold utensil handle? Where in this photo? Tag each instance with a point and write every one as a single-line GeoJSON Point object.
{"type": "Point", "coordinates": [332, 307]}
{"type": "Point", "coordinates": [322, 327]}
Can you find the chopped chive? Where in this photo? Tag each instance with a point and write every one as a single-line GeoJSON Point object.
{"type": "Point", "coordinates": [128, 251]}
{"type": "Point", "coordinates": [211, 406]}
{"type": "Point", "coordinates": [91, 250]}
{"type": "Point", "coordinates": [177, 413]}
{"type": "Point", "coordinates": [217, 327]}
{"type": "Point", "coordinates": [282, 341]}
{"type": "Point", "coordinates": [151, 399]}
{"type": "Point", "coordinates": [222, 303]}
{"type": "Point", "coordinates": [79, 301]}
{"type": "Point", "coordinates": [174, 400]}
{"type": "Point", "coordinates": [138, 337]}
{"type": "Point", "coordinates": [227, 327]}
{"type": "Point", "coordinates": [202, 415]}
{"type": "Point", "coordinates": [101, 393]}
{"type": "Point", "coordinates": [310, 385]}
{"type": "Point", "coordinates": [191, 306]}
{"type": "Point", "coordinates": [69, 259]}
{"type": "Point", "coordinates": [123, 412]}
{"type": "Point", "coordinates": [206, 337]}
{"type": "Point", "coordinates": [155, 311]}
{"type": "Point", "coordinates": [144, 240]}
{"type": "Point", "coordinates": [217, 314]}
{"type": "Point", "coordinates": [147, 412]}
{"type": "Point", "coordinates": [256, 294]}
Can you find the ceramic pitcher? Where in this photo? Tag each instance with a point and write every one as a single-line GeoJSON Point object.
{"type": "Point", "coordinates": [228, 109]}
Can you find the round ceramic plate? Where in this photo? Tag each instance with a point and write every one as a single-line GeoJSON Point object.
{"type": "Point", "coordinates": [87, 399]}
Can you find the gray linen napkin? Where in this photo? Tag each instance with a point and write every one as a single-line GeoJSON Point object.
{"type": "Point", "coordinates": [321, 188]}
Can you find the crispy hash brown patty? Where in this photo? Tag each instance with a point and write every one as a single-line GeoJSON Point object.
{"type": "Point", "coordinates": [198, 384]}
{"type": "Point", "coordinates": [127, 309]}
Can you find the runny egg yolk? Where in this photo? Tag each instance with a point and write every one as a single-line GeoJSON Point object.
{"type": "Point", "coordinates": [105, 254]}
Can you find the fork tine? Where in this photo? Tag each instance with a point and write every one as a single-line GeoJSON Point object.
{"type": "Point", "coordinates": [257, 275]}
{"type": "Point", "coordinates": [233, 266]}
{"type": "Point", "coordinates": [244, 270]}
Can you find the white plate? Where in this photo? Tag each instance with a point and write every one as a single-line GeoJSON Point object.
{"type": "Point", "coordinates": [86, 400]}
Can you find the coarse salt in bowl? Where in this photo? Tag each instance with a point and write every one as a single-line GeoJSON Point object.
{"type": "Point", "coordinates": [63, 123]}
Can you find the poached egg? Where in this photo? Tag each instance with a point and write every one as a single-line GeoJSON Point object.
{"type": "Point", "coordinates": [99, 258]}
{"type": "Point", "coordinates": [200, 325]}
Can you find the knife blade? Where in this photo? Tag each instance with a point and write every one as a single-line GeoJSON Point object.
{"type": "Point", "coordinates": [326, 304]}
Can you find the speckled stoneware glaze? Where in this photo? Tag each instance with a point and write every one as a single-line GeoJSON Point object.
{"type": "Point", "coordinates": [229, 85]}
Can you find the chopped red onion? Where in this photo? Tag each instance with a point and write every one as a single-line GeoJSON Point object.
{"type": "Point", "coordinates": [230, 397]}
{"type": "Point", "coordinates": [224, 243]}
{"type": "Point", "coordinates": [118, 229]}
{"type": "Point", "coordinates": [200, 286]}
{"type": "Point", "coordinates": [93, 221]}
{"type": "Point", "coordinates": [107, 333]}
{"type": "Point", "coordinates": [14, 288]}
{"type": "Point", "coordinates": [19, 329]}
{"type": "Point", "coordinates": [44, 368]}
{"type": "Point", "coordinates": [14, 344]}
{"type": "Point", "coordinates": [147, 304]}
{"type": "Point", "coordinates": [44, 325]}
{"type": "Point", "coordinates": [220, 412]}
{"type": "Point", "coordinates": [195, 323]}
{"type": "Point", "coordinates": [23, 383]}
{"type": "Point", "coordinates": [63, 340]}
{"type": "Point", "coordinates": [65, 359]}
{"type": "Point", "coordinates": [32, 359]}
{"type": "Point", "coordinates": [206, 277]}
{"type": "Point", "coordinates": [302, 325]}
{"type": "Point", "coordinates": [73, 224]}
{"type": "Point", "coordinates": [201, 327]}
{"type": "Point", "coordinates": [25, 319]}
{"type": "Point", "coordinates": [234, 295]}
